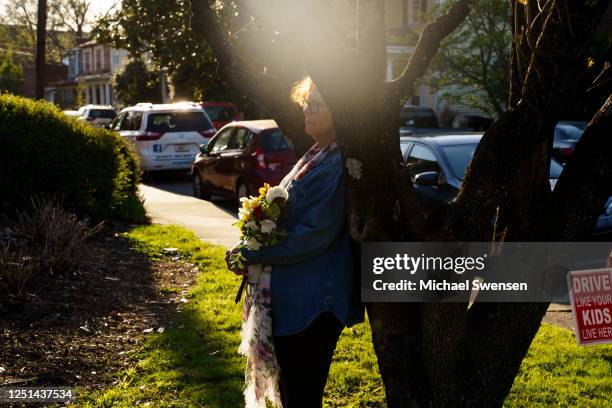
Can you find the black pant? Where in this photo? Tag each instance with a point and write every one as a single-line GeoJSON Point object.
{"type": "Point", "coordinates": [304, 359]}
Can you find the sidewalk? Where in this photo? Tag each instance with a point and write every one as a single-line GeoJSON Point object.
{"type": "Point", "coordinates": [205, 219]}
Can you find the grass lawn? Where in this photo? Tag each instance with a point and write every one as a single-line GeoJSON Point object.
{"type": "Point", "coordinates": [195, 363]}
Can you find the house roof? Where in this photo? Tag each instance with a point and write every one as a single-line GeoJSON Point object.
{"type": "Point", "coordinates": [89, 43]}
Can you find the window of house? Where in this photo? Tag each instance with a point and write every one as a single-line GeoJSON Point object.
{"type": "Point", "coordinates": [413, 11]}
{"type": "Point", "coordinates": [98, 59]}
{"type": "Point", "coordinates": [87, 61]}
{"type": "Point", "coordinates": [115, 57]}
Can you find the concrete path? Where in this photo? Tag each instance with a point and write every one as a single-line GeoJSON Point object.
{"type": "Point", "coordinates": [209, 221]}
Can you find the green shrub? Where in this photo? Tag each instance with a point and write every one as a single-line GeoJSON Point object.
{"type": "Point", "coordinates": [43, 153]}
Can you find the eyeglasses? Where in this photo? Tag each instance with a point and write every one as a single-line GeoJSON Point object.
{"type": "Point", "coordinates": [313, 107]}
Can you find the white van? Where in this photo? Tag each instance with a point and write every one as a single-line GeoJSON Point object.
{"type": "Point", "coordinates": [96, 115]}
{"type": "Point", "coordinates": [167, 136]}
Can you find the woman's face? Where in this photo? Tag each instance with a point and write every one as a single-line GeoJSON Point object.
{"type": "Point", "coordinates": [317, 116]}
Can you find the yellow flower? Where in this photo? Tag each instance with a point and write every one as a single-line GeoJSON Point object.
{"type": "Point", "coordinates": [263, 190]}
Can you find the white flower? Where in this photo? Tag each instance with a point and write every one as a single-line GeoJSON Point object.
{"type": "Point", "coordinates": [267, 226]}
{"type": "Point", "coordinates": [252, 225]}
{"type": "Point", "coordinates": [243, 214]}
{"type": "Point", "coordinates": [253, 244]}
{"type": "Point", "coordinates": [276, 192]}
{"type": "Point", "coordinates": [354, 168]}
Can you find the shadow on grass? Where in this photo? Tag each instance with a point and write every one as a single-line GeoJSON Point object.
{"type": "Point", "coordinates": [195, 361]}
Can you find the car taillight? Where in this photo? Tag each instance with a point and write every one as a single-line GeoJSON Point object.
{"type": "Point", "coordinates": [567, 151]}
{"type": "Point", "coordinates": [260, 158]}
{"type": "Point", "coordinates": [149, 136]}
{"type": "Point", "coordinates": [207, 133]}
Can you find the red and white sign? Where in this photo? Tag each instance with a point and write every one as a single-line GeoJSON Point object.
{"type": "Point", "coordinates": [591, 298]}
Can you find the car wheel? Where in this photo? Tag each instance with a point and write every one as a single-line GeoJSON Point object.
{"type": "Point", "coordinates": [241, 191]}
{"type": "Point", "coordinates": [199, 189]}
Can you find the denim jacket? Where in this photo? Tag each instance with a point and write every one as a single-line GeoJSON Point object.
{"type": "Point", "coordinates": [312, 267]}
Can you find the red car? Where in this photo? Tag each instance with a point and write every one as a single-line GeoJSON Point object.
{"type": "Point", "coordinates": [220, 113]}
{"type": "Point", "coordinates": [240, 158]}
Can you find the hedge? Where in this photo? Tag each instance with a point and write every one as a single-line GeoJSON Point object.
{"type": "Point", "coordinates": [43, 153]}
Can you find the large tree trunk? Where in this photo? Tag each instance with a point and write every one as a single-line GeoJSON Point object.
{"type": "Point", "coordinates": [41, 34]}
{"type": "Point", "coordinates": [449, 355]}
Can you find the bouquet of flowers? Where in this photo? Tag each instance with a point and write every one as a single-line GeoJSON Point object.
{"type": "Point", "coordinates": [258, 220]}
{"type": "Point", "coordinates": [258, 223]}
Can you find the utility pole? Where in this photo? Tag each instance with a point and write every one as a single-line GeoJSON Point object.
{"type": "Point", "coordinates": [41, 33]}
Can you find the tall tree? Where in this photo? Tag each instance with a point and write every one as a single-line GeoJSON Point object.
{"type": "Point", "coordinates": [41, 39]}
{"type": "Point", "coordinates": [162, 29]}
{"type": "Point", "coordinates": [444, 355]}
{"type": "Point", "coordinates": [72, 15]}
{"type": "Point", "coordinates": [471, 67]}
{"type": "Point", "coordinates": [11, 75]}
{"type": "Point", "coordinates": [65, 22]}
{"type": "Point", "coordinates": [136, 83]}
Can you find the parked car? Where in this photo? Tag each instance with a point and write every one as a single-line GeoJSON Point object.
{"type": "Point", "coordinates": [240, 158]}
{"type": "Point", "coordinates": [438, 164]}
{"type": "Point", "coordinates": [475, 122]}
{"type": "Point", "coordinates": [567, 135]}
{"type": "Point", "coordinates": [71, 113]}
{"type": "Point", "coordinates": [416, 120]}
{"type": "Point", "coordinates": [603, 228]}
{"type": "Point", "coordinates": [97, 115]}
{"type": "Point", "coordinates": [221, 113]}
{"type": "Point", "coordinates": [418, 117]}
{"type": "Point", "coordinates": [166, 136]}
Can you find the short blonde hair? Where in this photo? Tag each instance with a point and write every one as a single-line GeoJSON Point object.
{"type": "Point", "coordinates": [301, 90]}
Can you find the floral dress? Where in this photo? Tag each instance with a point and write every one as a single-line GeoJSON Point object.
{"type": "Point", "coordinates": [262, 372]}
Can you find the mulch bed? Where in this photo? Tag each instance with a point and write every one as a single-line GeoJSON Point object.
{"type": "Point", "coordinates": [78, 330]}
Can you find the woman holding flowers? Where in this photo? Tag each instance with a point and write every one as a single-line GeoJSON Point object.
{"type": "Point", "coordinates": [311, 287]}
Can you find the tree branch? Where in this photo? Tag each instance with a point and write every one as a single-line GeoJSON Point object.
{"type": "Point", "coordinates": [427, 46]}
{"type": "Point", "coordinates": [271, 92]}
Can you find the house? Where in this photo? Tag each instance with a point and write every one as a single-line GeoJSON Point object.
{"type": "Point", "coordinates": [91, 67]}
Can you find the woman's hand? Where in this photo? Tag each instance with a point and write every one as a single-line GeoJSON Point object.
{"type": "Point", "coordinates": [228, 254]}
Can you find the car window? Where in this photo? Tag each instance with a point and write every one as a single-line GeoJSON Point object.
{"type": "Point", "coordinates": [555, 169]}
{"type": "Point", "coordinates": [117, 121]}
{"type": "Point", "coordinates": [419, 118]}
{"type": "Point", "coordinates": [102, 114]}
{"type": "Point", "coordinates": [178, 121]}
{"type": "Point", "coordinates": [131, 121]}
{"type": "Point", "coordinates": [459, 156]}
{"type": "Point", "coordinates": [568, 132]}
{"type": "Point", "coordinates": [221, 113]}
{"type": "Point", "coordinates": [421, 159]}
{"type": "Point", "coordinates": [405, 146]}
{"type": "Point", "coordinates": [274, 141]}
{"type": "Point", "coordinates": [241, 139]}
{"type": "Point", "coordinates": [221, 142]}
